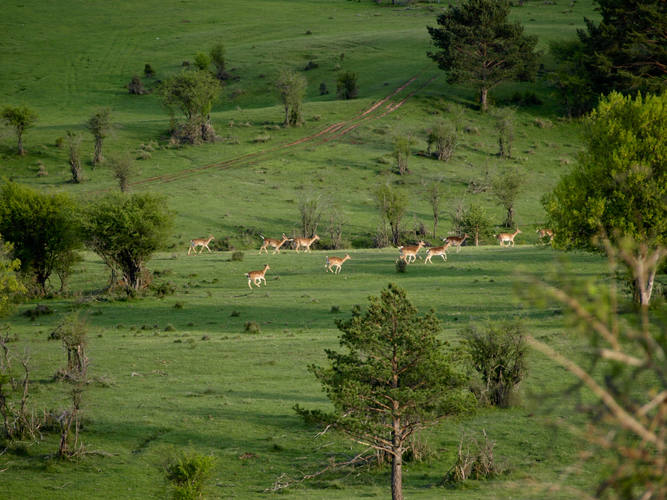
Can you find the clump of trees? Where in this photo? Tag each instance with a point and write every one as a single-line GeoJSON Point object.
{"type": "Point", "coordinates": [506, 187]}
{"type": "Point", "coordinates": [291, 87]}
{"type": "Point", "coordinates": [477, 45]}
{"type": "Point", "coordinates": [402, 150]}
{"type": "Point", "coordinates": [392, 378]}
{"type": "Point", "coordinates": [346, 85]}
{"type": "Point", "coordinates": [193, 93]}
{"type": "Point", "coordinates": [20, 118]}
{"type": "Point", "coordinates": [473, 220]}
{"type": "Point", "coordinates": [392, 204]}
{"type": "Point", "coordinates": [442, 139]}
{"type": "Point", "coordinates": [619, 184]}
{"type": "Point", "coordinates": [100, 126]}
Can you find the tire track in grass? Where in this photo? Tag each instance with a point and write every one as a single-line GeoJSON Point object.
{"type": "Point", "coordinates": [329, 133]}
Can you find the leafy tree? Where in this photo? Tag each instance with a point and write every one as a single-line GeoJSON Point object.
{"type": "Point", "coordinates": [402, 150]}
{"type": "Point", "coordinates": [346, 85]}
{"type": "Point", "coordinates": [434, 194]}
{"type": "Point", "coordinates": [392, 379]}
{"type": "Point", "coordinates": [474, 221]}
{"type": "Point", "coordinates": [392, 204]}
{"type": "Point", "coordinates": [43, 229]}
{"type": "Point", "coordinates": [20, 118]}
{"type": "Point", "coordinates": [443, 138]}
{"type": "Point", "coordinates": [202, 61]}
{"type": "Point", "coordinates": [619, 184]}
{"type": "Point", "coordinates": [99, 125]}
{"type": "Point", "coordinates": [479, 46]}
{"type": "Point", "coordinates": [125, 231]}
{"type": "Point", "coordinates": [506, 188]}
{"type": "Point", "coordinates": [505, 128]}
{"type": "Point", "coordinates": [217, 55]}
{"type": "Point", "coordinates": [122, 167]}
{"type": "Point", "coordinates": [627, 52]}
{"type": "Point", "coordinates": [73, 142]}
{"type": "Point", "coordinates": [10, 283]}
{"type": "Point", "coordinates": [193, 93]}
{"type": "Point", "coordinates": [291, 88]}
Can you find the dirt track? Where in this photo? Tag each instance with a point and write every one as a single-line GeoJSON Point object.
{"type": "Point", "coordinates": [334, 131]}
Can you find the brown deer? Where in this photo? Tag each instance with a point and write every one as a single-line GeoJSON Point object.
{"type": "Point", "coordinates": [276, 244]}
{"type": "Point", "coordinates": [305, 242]}
{"type": "Point", "coordinates": [257, 277]}
{"type": "Point", "coordinates": [456, 241]}
{"type": "Point", "coordinates": [200, 242]}
{"type": "Point", "coordinates": [507, 237]}
{"type": "Point", "coordinates": [410, 251]}
{"type": "Point", "coordinates": [336, 262]}
{"type": "Point", "coordinates": [435, 251]}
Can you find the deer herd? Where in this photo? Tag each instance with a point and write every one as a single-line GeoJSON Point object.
{"type": "Point", "coordinates": [407, 254]}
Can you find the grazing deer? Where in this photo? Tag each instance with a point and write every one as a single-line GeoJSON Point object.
{"type": "Point", "coordinates": [276, 244]}
{"type": "Point", "coordinates": [435, 251]}
{"type": "Point", "coordinates": [336, 262]}
{"type": "Point", "coordinates": [411, 251]}
{"type": "Point", "coordinates": [507, 237]}
{"type": "Point", "coordinates": [546, 232]}
{"type": "Point", "coordinates": [257, 277]}
{"type": "Point", "coordinates": [305, 242]}
{"type": "Point", "coordinates": [200, 242]}
{"type": "Point", "coordinates": [457, 241]}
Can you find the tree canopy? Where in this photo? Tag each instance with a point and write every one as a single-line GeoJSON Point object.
{"type": "Point", "coordinates": [393, 377]}
{"type": "Point", "coordinates": [479, 46]}
{"type": "Point", "coordinates": [125, 231]}
{"type": "Point", "coordinates": [20, 118]}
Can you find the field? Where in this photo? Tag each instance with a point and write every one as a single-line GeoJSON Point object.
{"type": "Point", "coordinates": [181, 372]}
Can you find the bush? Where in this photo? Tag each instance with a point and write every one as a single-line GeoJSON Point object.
{"type": "Point", "coordinates": [149, 72]}
{"type": "Point", "coordinates": [443, 138]}
{"type": "Point", "coordinates": [498, 354]}
{"type": "Point", "coordinates": [323, 89]}
{"type": "Point", "coordinates": [202, 61]}
{"type": "Point", "coordinates": [311, 65]}
{"type": "Point", "coordinates": [251, 327]}
{"type": "Point", "coordinates": [401, 265]}
{"type": "Point", "coordinates": [187, 475]}
{"type": "Point", "coordinates": [237, 256]}
{"type": "Point", "coordinates": [474, 460]}
{"type": "Point", "coordinates": [136, 87]}
{"type": "Point", "coordinates": [346, 87]}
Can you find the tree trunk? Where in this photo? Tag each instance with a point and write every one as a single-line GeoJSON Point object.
{"type": "Point", "coordinates": [642, 291]}
{"type": "Point", "coordinates": [97, 158]}
{"type": "Point", "coordinates": [286, 122]}
{"type": "Point", "coordinates": [483, 98]}
{"type": "Point", "coordinates": [397, 477]}
{"type": "Point", "coordinates": [21, 151]}
{"type": "Point", "coordinates": [509, 222]}
{"type": "Point", "coordinates": [476, 237]}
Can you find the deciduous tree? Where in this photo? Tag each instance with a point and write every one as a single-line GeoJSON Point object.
{"type": "Point", "coordinates": [20, 118]}
{"type": "Point", "coordinates": [291, 88]}
{"type": "Point", "coordinates": [99, 125]}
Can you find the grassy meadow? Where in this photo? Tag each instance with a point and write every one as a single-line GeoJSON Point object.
{"type": "Point", "coordinates": [181, 372]}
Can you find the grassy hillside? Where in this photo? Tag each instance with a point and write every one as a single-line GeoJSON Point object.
{"type": "Point", "coordinates": [181, 372]}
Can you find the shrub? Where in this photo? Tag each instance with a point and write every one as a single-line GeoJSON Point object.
{"type": "Point", "coordinates": [121, 166]}
{"type": "Point", "coordinates": [401, 265]}
{"type": "Point", "coordinates": [217, 54]}
{"type": "Point", "coordinates": [136, 87]}
{"type": "Point", "coordinates": [346, 87]}
{"type": "Point", "coordinates": [443, 138]}
{"type": "Point", "coordinates": [323, 89]}
{"type": "Point", "coordinates": [237, 256]}
{"type": "Point", "coordinates": [149, 72]}
{"type": "Point", "coordinates": [187, 475]}
{"type": "Point", "coordinates": [498, 355]}
{"type": "Point", "coordinates": [163, 289]}
{"type": "Point", "coordinates": [202, 61]}
{"type": "Point", "coordinates": [311, 65]}
{"type": "Point", "coordinates": [262, 138]}
{"type": "Point", "coordinates": [475, 460]}
{"type": "Point", "coordinates": [251, 327]}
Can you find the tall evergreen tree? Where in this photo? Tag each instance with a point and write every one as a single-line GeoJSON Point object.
{"type": "Point", "coordinates": [479, 46]}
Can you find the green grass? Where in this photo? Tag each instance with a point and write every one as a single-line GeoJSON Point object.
{"type": "Point", "coordinates": [181, 372]}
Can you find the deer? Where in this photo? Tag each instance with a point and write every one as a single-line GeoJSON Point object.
{"type": "Point", "coordinates": [200, 242]}
{"type": "Point", "coordinates": [509, 237]}
{"type": "Point", "coordinates": [336, 262]}
{"type": "Point", "coordinates": [457, 241]}
{"type": "Point", "coordinates": [257, 277]}
{"type": "Point", "coordinates": [305, 242]}
{"type": "Point", "coordinates": [435, 251]}
{"type": "Point", "coordinates": [410, 251]}
{"type": "Point", "coordinates": [276, 244]}
{"type": "Point", "coordinates": [546, 232]}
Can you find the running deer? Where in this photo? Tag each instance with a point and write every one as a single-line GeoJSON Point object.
{"type": "Point", "coordinates": [305, 242]}
{"type": "Point", "coordinates": [507, 237]}
{"type": "Point", "coordinates": [546, 232]}
{"type": "Point", "coordinates": [336, 262]}
{"type": "Point", "coordinates": [200, 242]}
{"type": "Point", "coordinates": [457, 241]}
{"type": "Point", "coordinates": [257, 277]}
{"type": "Point", "coordinates": [411, 251]}
{"type": "Point", "coordinates": [435, 251]}
{"type": "Point", "coordinates": [276, 244]}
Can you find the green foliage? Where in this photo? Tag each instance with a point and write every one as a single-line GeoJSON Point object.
{"type": "Point", "coordinates": [99, 125]}
{"type": "Point", "coordinates": [202, 61]}
{"type": "Point", "coordinates": [571, 80]}
{"type": "Point", "coordinates": [498, 355]}
{"type": "Point", "coordinates": [479, 46]}
{"type": "Point", "coordinates": [619, 184]}
{"type": "Point", "coordinates": [125, 231]}
{"type": "Point", "coordinates": [121, 166]}
{"type": "Point", "coordinates": [188, 474]}
{"type": "Point", "coordinates": [217, 55]}
{"type": "Point", "coordinates": [43, 229]}
{"type": "Point", "coordinates": [443, 138]}
{"type": "Point", "coordinates": [73, 143]}
{"type": "Point", "coordinates": [20, 118]}
{"type": "Point", "coordinates": [346, 85]}
{"type": "Point", "coordinates": [505, 126]}
{"type": "Point", "coordinates": [626, 51]}
{"type": "Point", "coordinates": [402, 149]}
{"type": "Point", "coordinates": [474, 221]}
{"type": "Point", "coordinates": [193, 93]}
{"type": "Point", "coordinates": [11, 286]}
{"type": "Point", "coordinates": [392, 378]}
{"type": "Point", "coordinates": [506, 188]}
{"type": "Point", "coordinates": [392, 204]}
{"type": "Point", "coordinates": [291, 87]}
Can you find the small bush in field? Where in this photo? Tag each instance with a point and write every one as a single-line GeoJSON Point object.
{"type": "Point", "coordinates": [401, 266]}
{"type": "Point", "coordinates": [252, 327]}
{"type": "Point", "coordinates": [187, 475]}
{"type": "Point", "coordinates": [237, 256]}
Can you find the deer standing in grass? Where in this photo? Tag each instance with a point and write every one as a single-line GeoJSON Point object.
{"type": "Point", "coordinates": [546, 232]}
{"type": "Point", "coordinates": [200, 242]}
{"type": "Point", "coordinates": [507, 237]}
{"type": "Point", "coordinates": [457, 241]}
{"type": "Point", "coordinates": [276, 244]}
{"type": "Point", "coordinates": [410, 251]}
{"type": "Point", "coordinates": [336, 262]}
{"type": "Point", "coordinates": [257, 277]}
{"type": "Point", "coordinates": [305, 242]}
{"type": "Point", "coordinates": [435, 251]}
